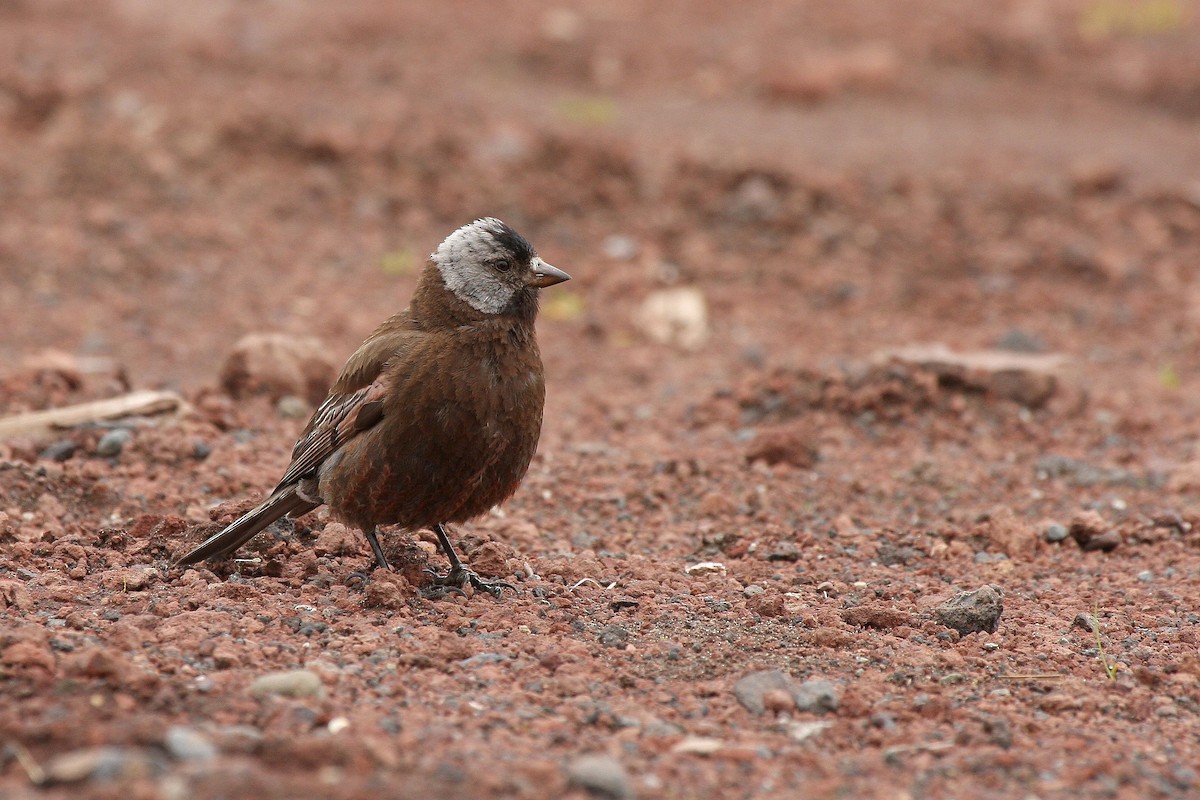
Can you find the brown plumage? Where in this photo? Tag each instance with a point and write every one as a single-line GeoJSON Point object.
{"type": "Point", "coordinates": [436, 416]}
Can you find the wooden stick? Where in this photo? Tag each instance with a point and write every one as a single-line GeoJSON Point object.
{"type": "Point", "coordinates": [141, 403]}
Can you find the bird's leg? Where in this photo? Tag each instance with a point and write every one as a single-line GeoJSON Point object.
{"type": "Point", "coordinates": [380, 559]}
{"type": "Point", "coordinates": [460, 574]}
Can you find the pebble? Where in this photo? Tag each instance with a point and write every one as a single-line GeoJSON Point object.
{"type": "Point", "coordinates": [698, 745]}
{"type": "Point", "coordinates": [778, 701]}
{"type": "Point", "coordinates": [785, 551]}
{"type": "Point", "coordinates": [752, 590]}
{"type": "Point", "coordinates": [676, 317]}
{"type": "Point", "coordinates": [112, 443]}
{"type": "Point", "coordinates": [479, 659]}
{"type": "Point", "coordinates": [1146, 576]}
{"type": "Point", "coordinates": [972, 612]}
{"type": "Point", "coordinates": [620, 247]}
{"type": "Point", "coordinates": [882, 720]}
{"type": "Point", "coordinates": [817, 695]}
{"type": "Point", "coordinates": [1055, 533]}
{"type": "Point", "coordinates": [600, 774]}
{"type": "Point", "coordinates": [1105, 542]}
{"type": "Point", "coordinates": [614, 636]}
{"type": "Point", "coordinates": [291, 407]}
{"type": "Point", "coordinates": [298, 683]}
{"type": "Point", "coordinates": [761, 691]}
{"type": "Point", "coordinates": [59, 451]}
{"type": "Point", "coordinates": [188, 744]}
{"type": "Point", "coordinates": [103, 763]}
{"type": "Point", "coordinates": [1091, 532]}
{"type": "Point", "coordinates": [751, 690]}
{"type": "Point", "coordinates": [278, 365]}
{"type": "Point", "coordinates": [799, 731]}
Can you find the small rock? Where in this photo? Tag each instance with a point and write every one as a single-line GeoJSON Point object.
{"type": "Point", "coordinates": [890, 553]}
{"type": "Point", "coordinates": [386, 589]}
{"type": "Point", "coordinates": [1025, 378]}
{"type": "Point", "coordinates": [882, 720]}
{"type": "Point", "coordinates": [768, 605]}
{"type": "Point", "coordinates": [479, 659]}
{"type": "Point", "coordinates": [1105, 542]}
{"type": "Point", "coordinates": [792, 445]}
{"type": "Point", "coordinates": [751, 690]}
{"type": "Point", "coordinates": [278, 365]}
{"type": "Point", "coordinates": [676, 317]}
{"type": "Point", "coordinates": [698, 745]}
{"type": "Point", "coordinates": [59, 451]}
{"type": "Point", "coordinates": [491, 558]}
{"type": "Point", "coordinates": [27, 655]}
{"type": "Point", "coordinates": [15, 595]}
{"type": "Point", "coordinates": [104, 763]}
{"type": "Point", "coordinates": [112, 443]}
{"type": "Point", "coordinates": [188, 744]}
{"type": "Point", "coordinates": [291, 407]}
{"type": "Point", "coordinates": [817, 695]}
{"type": "Point", "coordinates": [972, 612]}
{"type": "Point", "coordinates": [1086, 621]}
{"type": "Point", "coordinates": [799, 731]}
{"type": "Point", "coordinates": [128, 579]}
{"type": "Point", "coordinates": [785, 551]}
{"type": "Point", "coordinates": [1146, 576]}
{"type": "Point", "coordinates": [1055, 533]}
{"type": "Point", "coordinates": [614, 636]}
{"type": "Point", "coordinates": [1091, 532]}
{"type": "Point", "coordinates": [758, 692]}
{"type": "Point", "coordinates": [876, 616]}
{"type": "Point", "coordinates": [752, 590]}
{"type": "Point", "coordinates": [337, 540]}
{"type": "Point", "coordinates": [778, 701]}
{"type": "Point", "coordinates": [705, 568]}
{"type": "Point", "coordinates": [600, 774]}
{"type": "Point", "coordinates": [298, 683]}
{"type": "Point", "coordinates": [1005, 532]}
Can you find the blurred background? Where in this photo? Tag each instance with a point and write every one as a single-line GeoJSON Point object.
{"type": "Point", "coordinates": [831, 176]}
{"type": "Point", "coordinates": [759, 203]}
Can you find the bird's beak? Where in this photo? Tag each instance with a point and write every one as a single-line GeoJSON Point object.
{"type": "Point", "coordinates": [542, 274]}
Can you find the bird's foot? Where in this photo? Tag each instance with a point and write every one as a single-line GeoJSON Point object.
{"type": "Point", "coordinates": [454, 581]}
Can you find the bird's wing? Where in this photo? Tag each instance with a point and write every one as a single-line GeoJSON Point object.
{"type": "Point", "coordinates": [355, 403]}
{"type": "Point", "coordinates": [339, 419]}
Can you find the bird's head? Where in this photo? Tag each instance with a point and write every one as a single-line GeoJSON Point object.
{"type": "Point", "coordinates": [492, 268]}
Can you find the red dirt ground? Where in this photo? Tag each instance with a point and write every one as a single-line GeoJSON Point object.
{"type": "Point", "coordinates": [836, 180]}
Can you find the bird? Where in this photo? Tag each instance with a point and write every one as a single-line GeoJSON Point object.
{"type": "Point", "coordinates": [435, 418]}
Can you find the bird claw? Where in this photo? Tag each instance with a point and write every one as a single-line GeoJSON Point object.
{"type": "Point", "coordinates": [454, 581]}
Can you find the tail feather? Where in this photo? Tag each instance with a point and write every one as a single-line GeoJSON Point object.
{"type": "Point", "coordinates": [281, 503]}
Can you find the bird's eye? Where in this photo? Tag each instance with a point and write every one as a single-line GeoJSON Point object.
{"type": "Point", "coordinates": [502, 265]}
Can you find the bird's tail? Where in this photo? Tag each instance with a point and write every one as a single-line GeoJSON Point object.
{"type": "Point", "coordinates": [282, 502]}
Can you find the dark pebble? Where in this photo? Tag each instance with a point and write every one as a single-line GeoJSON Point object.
{"type": "Point", "coordinates": [59, 451]}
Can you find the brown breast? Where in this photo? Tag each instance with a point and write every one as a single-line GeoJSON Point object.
{"type": "Point", "coordinates": [461, 423]}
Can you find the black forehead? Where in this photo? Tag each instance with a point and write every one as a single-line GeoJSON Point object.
{"type": "Point", "coordinates": [512, 242]}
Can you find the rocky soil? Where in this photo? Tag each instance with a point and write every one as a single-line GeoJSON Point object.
{"type": "Point", "coordinates": [871, 464]}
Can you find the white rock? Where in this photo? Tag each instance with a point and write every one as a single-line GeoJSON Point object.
{"type": "Point", "coordinates": [676, 317]}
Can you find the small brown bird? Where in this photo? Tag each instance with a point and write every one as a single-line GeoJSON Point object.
{"type": "Point", "coordinates": [436, 416]}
